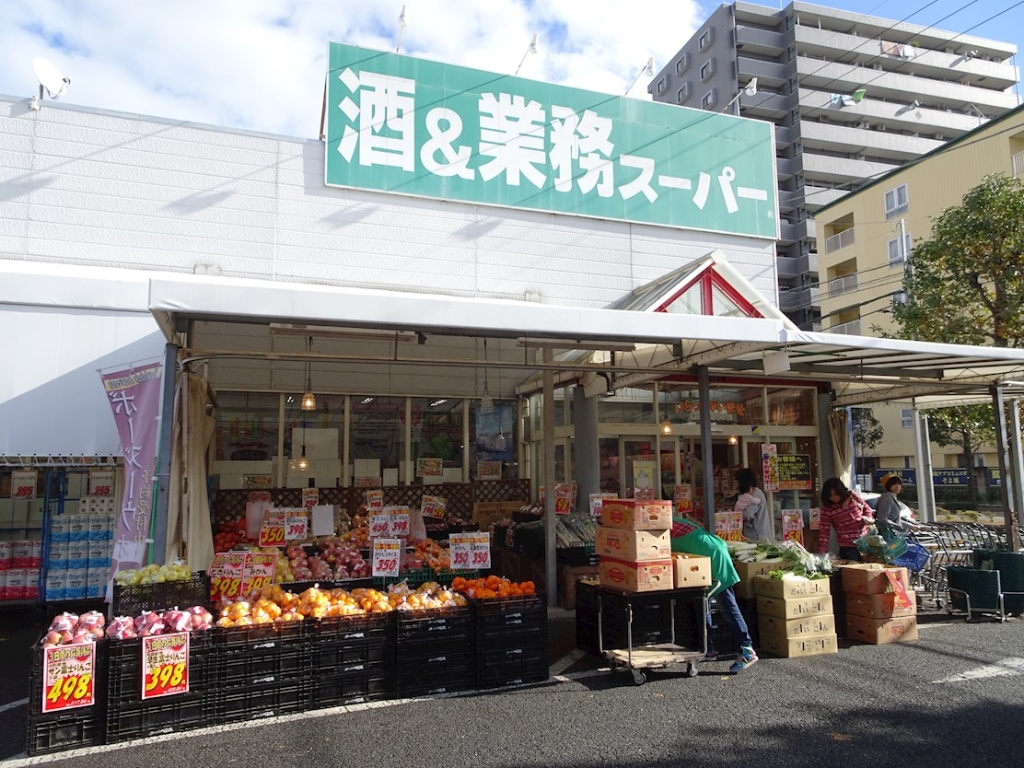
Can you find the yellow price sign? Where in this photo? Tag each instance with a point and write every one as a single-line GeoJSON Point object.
{"type": "Point", "coordinates": [68, 677]}
{"type": "Point", "coordinates": [164, 665]}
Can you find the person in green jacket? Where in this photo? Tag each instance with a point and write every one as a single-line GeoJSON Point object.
{"type": "Point", "coordinates": [690, 538]}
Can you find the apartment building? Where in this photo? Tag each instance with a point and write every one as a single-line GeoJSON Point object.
{"type": "Point", "coordinates": [852, 97]}
{"type": "Point", "coordinates": [867, 236]}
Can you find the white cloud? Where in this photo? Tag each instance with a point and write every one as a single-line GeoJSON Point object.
{"type": "Point", "coordinates": [259, 64]}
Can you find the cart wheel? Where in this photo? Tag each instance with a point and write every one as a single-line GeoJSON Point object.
{"type": "Point", "coordinates": [613, 666]}
{"type": "Point", "coordinates": [691, 669]}
{"type": "Point", "coordinates": [639, 677]}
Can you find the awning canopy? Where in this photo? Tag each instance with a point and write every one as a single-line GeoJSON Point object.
{"type": "Point", "coordinates": [862, 369]}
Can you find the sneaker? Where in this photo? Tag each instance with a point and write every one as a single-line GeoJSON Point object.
{"type": "Point", "coordinates": [711, 655]}
{"type": "Point", "coordinates": [745, 659]}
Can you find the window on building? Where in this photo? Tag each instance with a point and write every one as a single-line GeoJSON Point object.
{"type": "Point", "coordinates": [683, 63]}
{"type": "Point", "coordinates": [707, 69]}
{"type": "Point", "coordinates": [906, 418]}
{"type": "Point", "coordinates": [899, 297]}
{"type": "Point", "coordinates": [705, 39]}
{"type": "Point", "coordinates": [896, 201]}
{"type": "Point", "coordinates": [708, 100]}
{"type": "Point", "coordinates": [683, 93]}
{"type": "Point", "coordinates": [791, 51]}
{"type": "Point", "coordinates": [899, 255]}
{"type": "Point", "coordinates": [661, 85]}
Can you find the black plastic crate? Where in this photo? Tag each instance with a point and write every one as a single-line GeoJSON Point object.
{"type": "Point", "coordinates": [124, 672]}
{"type": "Point", "coordinates": [577, 556]}
{"type": "Point", "coordinates": [281, 634]}
{"type": "Point", "coordinates": [298, 587]}
{"type": "Point", "coordinates": [336, 656]}
{"type": "Point", "coordinates": [261, 665]}
{"type": "Point", "coordinates": [429, 655]}
{"type": "Point", "coordinates": [72, 729]}
{"type": "Point", "coordinates": [167, 714]}
{"type": "Point", "coordinates": [525, 668]}
{"type": "Point", "coordinates": [237, 704]}
{"type": "Point", "coordinates": [441, 624]}
{"type": "Point", "coordinates": [433, 680]}
{"type": "Point", "coordinates": [131, 600]}
{"type": "Point", "coordinates": [375, 684]}
{"type": "Point", "coordinates": [511, 612]}
{"type": "Point", "coordinates": [352, 629]}
{"type": "Point", "coordinates": [498, 643]}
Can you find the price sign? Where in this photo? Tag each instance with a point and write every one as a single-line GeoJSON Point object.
{"type": "Point", "coordinates": [433, 506]}
{"type": "Point", "coordinates": [729, 525]}
{"type": "Point", "coordinates": [597, 501]}
{"type": "Point", "coordinates": [793, 525]}
{"type": "Point", "coordinates": [226, 575]}
{"type": "Point", "coordinates": [296, 526]}
{"type": "Point", "coordinates": [563, 499]}
{"type": "Point", "coordinates": [769, 466]}
{"type": "Point", "coordinates": [380, 525]}
{"type": "Point", "coordinates": [101, 482]}
{"type": "Point", "coordinates": [23, 484]}
{"type": "Point", "coordinates": [488, 470]}
{"type": "Point", "coordinates": [386, 555]}
{"type": "Point", "coordinates": [375, 499]}
{"type": "Point", "coordinates": [480, 553]}
{"type": "Point", "coordinates": [258, 571]}
{"type": "Point", "coordinates": [164, 665]}
{"type": "Point", "coordinates": [684, 498]}
{"type": "Point", "coordinates": [470, 551]}
{"type": "Point", "coordinates": [310, 497]}
{"type": "Point", "coordinates": [398, 521]}
{"type": "Point", "coordinates": [272, 529]}
{"type": "Point", "coordinates": [68, 675]}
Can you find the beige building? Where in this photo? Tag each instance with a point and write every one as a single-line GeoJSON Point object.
{"type": "Point", "coordinates": [866, 237]}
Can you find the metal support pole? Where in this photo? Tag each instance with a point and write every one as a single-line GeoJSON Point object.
{"type": "Point", "coordinates": [465, 441]}
{"type": "Point", "coordinates": [282, 464]}
{"type": "Point", "coordinates": [158, 548]}
{"type": "Point", "coordinates": [704, 394]}
{"type": "Point", "coordinates": [346, 444]}
{"type": "Point", "coordinates": [1017, 468]}
{"type": "Point", "coordinates": [1010, 513]}
{"type": "Point", "coordinates": [550, 568]}
{"type": "Point", "coordinates": [925, 487]}
{"type": "Point", "coordinates": [409, 470]}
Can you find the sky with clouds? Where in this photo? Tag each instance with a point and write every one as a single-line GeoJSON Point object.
{"type": "Point", "coordinates": [259, 64]}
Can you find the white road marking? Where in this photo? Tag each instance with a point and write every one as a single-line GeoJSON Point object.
{"type": "Point", "coordinates": [13, 705]}
{"type": "Point", "coordinates": [1002, 668]}
{"type": "Point", "coordinates": [565, 662]}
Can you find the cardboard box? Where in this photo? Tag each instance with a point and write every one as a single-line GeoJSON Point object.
{"type": "Point", "coordinates": [692, 570]}
{"type": "Point", "coordinates": [637, 577]}
{"type": "Point", "coordinates": [486, 513]}
{"type": "Point", "coordinates": [813, 645]}
{"type": "Point", "coordinates": [879, 606]}
{"type": "Point", "coordinates": [870, 578]}
{"type": "Point", "coordinates": [825, 624]}
{"type": "Point", "coordinates": [568, 577]}
{"type": "Point", "coordinates": [633, 546]}
{"type": "Point", "coordinates": [881, 631]}
{"type": "Point", "coordinates": [637, 514]}
{"type": "Point", "coordinates": [787, 588]}
{"type": "Point", "coordinates": [795, 607]}
{"type": "Point", "coordinates": [747, 572]}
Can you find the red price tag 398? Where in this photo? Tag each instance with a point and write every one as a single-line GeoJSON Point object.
{"type": "Point", "coordinates": [68, 677]}
{"type": "Point", "coordinates": [225, 574]}
{"type": "Point", "coordinates": [164, 665]}
{"type": "Point", "coordinates": [296, 528]}
{"type": "Point", "coordinates": [258, 572]}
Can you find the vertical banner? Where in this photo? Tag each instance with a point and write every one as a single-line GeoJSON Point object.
{"type": "Point", "coordinates": [134, 396]}
{"type": "Point", "coordinates": [769, 466]}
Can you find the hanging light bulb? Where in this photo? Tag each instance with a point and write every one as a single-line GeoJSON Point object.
{"type": "Point", "coordinates": [303, 462]}
{"type": "Point", "coordinates": [666, 427]}
{"type": "Point", "coordinates": [499, 442]}
{"type": "Point", "coordinates": [486, 402]}
{"type": "Point", "coordinates": [308, 398]}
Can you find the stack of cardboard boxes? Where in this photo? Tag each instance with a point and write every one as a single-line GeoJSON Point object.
{"type": "Point", "coordinates": [880, 606]}
{"type": "Point", "coordinates": [795, 616]}
{"type": "Point", "coordinates": [634, 545]}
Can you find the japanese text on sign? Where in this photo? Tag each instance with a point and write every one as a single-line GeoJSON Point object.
{"type": "Point", "coordinates": [684, 498]}
{"type": "Point", "coordinates": [794, 472]}
{"type": "Point", "coordinates": [101, 482]}
{"type": "Point", "coordinates": [563, 498]}
{"type": "Point", "coordinates": [394, 521]}
{"type": "Point", "coordinates": [164, 665]}
{"type": "Point", "coordinates": [310, 497]}
{"type": "Point", "coordinates": [470, 551]}
{"type": "Point", "coordinates": [23, 484]}
{"type": "Point", "coordinates": [258, 571]}
{"type": "Point", "coordinates": [729, 525]}
{"type": "Point", "coordinates": [793, 525]}
{"type": "Point", "coordinates": [387, 554]}
{"type": "Point", "coordinates": [272, 528]}
{"type": "Point", "coordinates": [296, 526]}
{"type": "Point", "coordinates": [433, 506]}
{"type": "Point", "coordinates": [69, 672]}
{"type": "Point", "coordinates": [226, 575]}
{"type": "Point", "coordinates": [375, 499]}
{"type": "Point", "coordinates": [597, 502]}
{"type": "Point", "coordinates": [423, 128]}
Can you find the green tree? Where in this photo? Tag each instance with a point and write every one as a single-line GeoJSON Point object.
{"type": "Point", "coordinates": [967, 427]}
{"type": "Point", "coordinates": [867, 432]}
{"type": "Point", "coordinates": [965, 284]}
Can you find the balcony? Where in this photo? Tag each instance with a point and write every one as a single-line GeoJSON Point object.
{"type": "Point", "coordinates": [840, 240]}
{"type": "Point", "coordinates": [802, 230]}
{"type": "Point", "coordinates": [769, 73]}
{"type": "Point", "coordinates": [841, 285]}
{"type": "Point", "coordinates": [764, 41]}
{"type": "Point", "coordinates": [796, 299]}
{"type": "Point", "coordinates": [895, 115]}
{"type": "Point", "coordinates": [841, 169]}
{"type": "Point", "coordinates": [818, 197]}
{"type": "Point", "coordinates": [872, 136]}
{"type": "Point", "coordinates": [851, 328]}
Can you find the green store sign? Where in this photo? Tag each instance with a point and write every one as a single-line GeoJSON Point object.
{"type": "Point", "coordinates": [408, 126]}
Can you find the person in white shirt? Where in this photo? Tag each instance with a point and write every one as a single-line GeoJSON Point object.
{"type": "Point", "coordinates": [752, 506]}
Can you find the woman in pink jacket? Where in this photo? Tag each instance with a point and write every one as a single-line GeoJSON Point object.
{"type": "Point", "coordinates": [845, 511]}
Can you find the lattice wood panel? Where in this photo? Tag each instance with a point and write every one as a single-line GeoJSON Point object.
{"type": "Point", "coordinates": [501, 490]}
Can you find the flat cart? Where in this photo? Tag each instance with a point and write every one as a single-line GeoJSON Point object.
{"type": "Point", "coordinates": [639, 657]}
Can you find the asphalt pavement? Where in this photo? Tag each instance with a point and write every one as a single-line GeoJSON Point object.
{"type": "Point", "coordinates": [953, 698]}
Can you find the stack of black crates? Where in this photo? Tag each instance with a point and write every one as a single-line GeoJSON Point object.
{"type": "Point", "coordinates": [264, 671]}
{"type": "Point", "coordinates": [511, 641]}
{"type": "Point", "coordinates": [433, 651]}
{"type": "Point", "coordinates": [652, 620]}
{"type": "Point", "coordinates": [352, 663]}
{"type": "Point", "coordinates": [57, 731]}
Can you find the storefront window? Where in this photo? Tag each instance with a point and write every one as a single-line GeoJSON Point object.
{"type": "Point", "coordinates": [791, 407]}
{"type": "Point", "coordinates": [494, 436]}
{"type": "Point", "coordinates": [609, 450]}
{"type": "Point", "coordinates": [437, 434]}
{"type": "Point", "coordinates": [377, 441]}
{"type": "Point", "coordinates": [628, 406]}
{"type": "Point", "coordinates": [680, 404]}
{"type": "Point", "coordinates": [560, 395]}
{"type": "Point", "coordinates": [246, 426]}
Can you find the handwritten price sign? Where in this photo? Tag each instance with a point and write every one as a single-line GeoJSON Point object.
{"type": "Point", "coordinates": [386, 556]}
{"type": "Point", "coordinates": [390, 523]}
{"type": "Point", "coordinates": [164, 665]}
{"type": "Point", "coordinates": [258, 572]}
{"type": "Point", "coordinates": [729, 525]}
{"type": "Point", "coordinates": [470, 551]}
{"type": "Point", "coordinates": [310, 497]}
{"type": "Point", "coordinates": [375, 499]}
{"type": "Point", "coordinates": [23, 484]}
{"type": "Point", "coordinates": [793, 525]}
{"type": "Point", "coordinates": [68, 674]}
{"type": "Point", "coordinates": [433, 506]}
{"type": "Point", "coordinates": [296, 527]}
{"type": "Point", "coordinates": [101, 482]}
{"type": "Point", "coordinates": [380, 525]}
{"type": "Point", "coordinates": [226, 575]}
{"type": "Point", "coordinates": [563, 499]}
{"type": "Point", "coordinates": [272, 529]}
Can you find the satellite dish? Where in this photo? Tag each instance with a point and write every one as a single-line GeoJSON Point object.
{"type": "Point", "coordinates": [51, 81]}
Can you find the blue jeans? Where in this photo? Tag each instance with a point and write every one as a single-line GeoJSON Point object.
{"type": "Point", "coordinates": [730, 612]}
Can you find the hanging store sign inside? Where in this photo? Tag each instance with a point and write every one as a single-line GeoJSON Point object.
{"type": "Point", "coordinates": [409, 126]}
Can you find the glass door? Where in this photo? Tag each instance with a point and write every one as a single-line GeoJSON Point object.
{"type": "Point", "coordinates": [638, 465]}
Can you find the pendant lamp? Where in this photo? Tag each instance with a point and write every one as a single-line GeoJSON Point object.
{"type": "Point", "coordinates": [308, 398]}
